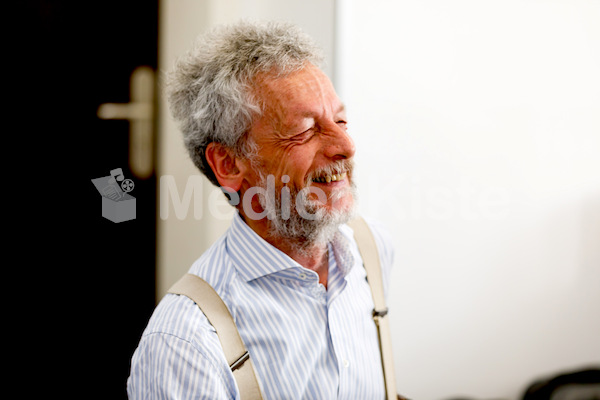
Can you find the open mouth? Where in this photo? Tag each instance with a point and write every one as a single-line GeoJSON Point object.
{"type": "Point", "coordinates": [330, 178]}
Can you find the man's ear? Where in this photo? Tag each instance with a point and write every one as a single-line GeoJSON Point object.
{"type": "Point", "coordinates": [228, 169]}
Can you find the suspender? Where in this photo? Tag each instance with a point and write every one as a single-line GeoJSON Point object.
{"type": "Point", "coordinates": [218, 315]}
{"type": "Point", "coordinates": [368, 251]}
{"type": "Point", "coordinates": [236, 353]}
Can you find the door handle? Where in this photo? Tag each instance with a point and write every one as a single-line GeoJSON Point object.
{"type": "Point", "coordinates": [140, 113]}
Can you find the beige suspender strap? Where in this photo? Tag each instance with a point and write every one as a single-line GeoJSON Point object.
{"type": "Point", "coordinates": [368, 251]}
{"type": "Point", "coordinates": [220, 318]}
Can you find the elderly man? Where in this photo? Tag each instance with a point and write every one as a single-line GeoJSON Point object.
{"type": "Point", "coordinates": [264, 123]}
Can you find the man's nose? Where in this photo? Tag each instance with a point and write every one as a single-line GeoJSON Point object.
{"type": "Point", "coordinates": [339, 144]}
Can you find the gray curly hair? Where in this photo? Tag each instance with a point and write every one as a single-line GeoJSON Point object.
{"type": "Point", "coordinates": [210, 88]}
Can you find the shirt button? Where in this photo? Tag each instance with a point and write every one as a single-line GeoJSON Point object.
{"type": "Point", "coordinates": [302, 275]}
{"type": "Point", "coordinates": [346, 363]}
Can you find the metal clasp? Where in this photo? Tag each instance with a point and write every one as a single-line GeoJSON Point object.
{"type": "Point", "coordinates": [238, 363]}
{"type": "Point", "coordinates": [380, 313]}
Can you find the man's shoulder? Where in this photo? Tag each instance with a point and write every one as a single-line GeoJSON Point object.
{"type": "Point", "coordinates": [180, 316]}
{"type": "Point", "coordinates": [383, 240]}
{"type": "Point", "coordinates": [380, 232]}
{"type": "Point", "coordinates": [180, 338]}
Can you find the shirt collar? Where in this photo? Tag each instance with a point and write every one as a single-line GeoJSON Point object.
{"type": "Point", "coordinates": [341, 249]}
{"type": "Point", "coordinates": [254, 257]}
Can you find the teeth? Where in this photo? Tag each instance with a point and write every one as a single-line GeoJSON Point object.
{"type": "Point", "coordinates": [331, 178]}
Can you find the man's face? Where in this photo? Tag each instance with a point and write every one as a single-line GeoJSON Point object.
{"type": "Point", "coordinates": [302, 134]}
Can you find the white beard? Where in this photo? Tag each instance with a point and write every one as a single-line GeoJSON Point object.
{"type": "Point", "coordinates": [303, 221]}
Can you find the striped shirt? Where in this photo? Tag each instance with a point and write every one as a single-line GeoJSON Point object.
{"type": "Point", "coordinates": [306, 342]}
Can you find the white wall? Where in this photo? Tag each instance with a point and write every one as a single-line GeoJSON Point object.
{"type": "Point", "coordinates": [182, 239]}
{"type": "Point", "coordinates": [477, 126]}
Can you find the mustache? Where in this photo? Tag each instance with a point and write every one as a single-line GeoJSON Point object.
{"type": "Point", "coordinates": [335, 168]}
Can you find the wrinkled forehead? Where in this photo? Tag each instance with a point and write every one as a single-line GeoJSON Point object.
{"type": "Point", "coordinates": [299, 93]}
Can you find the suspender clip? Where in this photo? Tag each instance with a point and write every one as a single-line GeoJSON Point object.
{"type": "Point", "coordinates": [240, 361]}
{"type": "Point", "coordinates": [380, 313]}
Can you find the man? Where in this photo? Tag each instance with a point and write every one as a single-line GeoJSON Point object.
{"type": "Point", "coordinates": [263, 122]}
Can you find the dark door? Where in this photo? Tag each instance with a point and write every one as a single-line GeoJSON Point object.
{"type": "Point", "coordinates": [80, 55]}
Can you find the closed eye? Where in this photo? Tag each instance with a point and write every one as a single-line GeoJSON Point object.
{"type": "Point", "coordinates": [303, 136]}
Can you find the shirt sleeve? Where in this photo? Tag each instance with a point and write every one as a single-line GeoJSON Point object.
{"type": "Point", "coordinates": [171, 366]}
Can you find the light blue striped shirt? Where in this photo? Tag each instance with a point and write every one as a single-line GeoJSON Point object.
{"type": "Point", "coordinates": [306, 342]}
